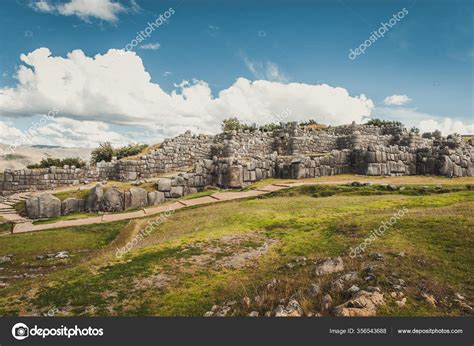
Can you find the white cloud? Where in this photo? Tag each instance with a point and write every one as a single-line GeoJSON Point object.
{"type": "Point", "coordinates": [63, 132]}
{"type": "Point", "coordinates": [446, 126]}
{"type": "Point", "coordinates": [43, 6]}
{"type": "Point", "coordinates": [265, 70]}
{"type": "Point", "coordinates": [114, 88]}
{"type": "Point", "coordinates": [396, 100]}
{"type": "Point", "coordinates": [86, 10]}
{"type": "Point", "coordinates": [151, 46]}
{"type": "Point", "coordinates": [426, 122]}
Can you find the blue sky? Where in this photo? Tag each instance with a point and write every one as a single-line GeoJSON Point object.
{"type": "Point", "coordinates": [280, 47]}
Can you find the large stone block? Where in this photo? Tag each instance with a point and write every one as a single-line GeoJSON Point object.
{"type": "Point", "coordinates": [156, 197]}
{"type": "Point", "coordinates": [94, 200]}
{"type": "Point", "coordinates": [235, 176]}
{"type": "Point", "coordinates": [373, 169]}
{"type": "Point", "coordinates": [164, 185]}
{"type": "Point", "coordinates": [176, 191]}
{"type": "Point", "coordinates": [32, 208]}
{"type": "Point", "coordinates": [113, 200]}
{"type": "Point", "coordinates": [49, 206]}
{"type": "Point", "coordinates": [72, 205]}
{"type": "Point", "coordinates": [138, 197]}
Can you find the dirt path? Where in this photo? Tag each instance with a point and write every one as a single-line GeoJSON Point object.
{"type": "Point", "coordinates": [25, 225]}
{"type": "Point", "coordinates": [215, 198]}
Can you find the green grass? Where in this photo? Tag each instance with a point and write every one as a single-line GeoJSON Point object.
{"type": "Point", "coordinates": [5, 226]}
{"type": "Point", "coordinates": [72, 194]}
{"type": "Point", "coordinates": [312, 221]}
{"type": "Point", "coordinates": [70, 239]}
{"type": "Point", "coordinates": [20, 206]}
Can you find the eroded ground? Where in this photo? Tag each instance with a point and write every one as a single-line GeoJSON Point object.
{"type": "Point", "coordinates": [285, 254]}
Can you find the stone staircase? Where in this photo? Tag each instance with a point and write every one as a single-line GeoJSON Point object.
{"type": "Point", "coordinates": [8, 212]}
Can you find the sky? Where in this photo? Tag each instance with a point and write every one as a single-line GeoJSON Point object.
{"type": "Point", "coordinates": [81, 72]}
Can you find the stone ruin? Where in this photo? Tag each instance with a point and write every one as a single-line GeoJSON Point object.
{"type": "Point", "coordinates": [237, 159]}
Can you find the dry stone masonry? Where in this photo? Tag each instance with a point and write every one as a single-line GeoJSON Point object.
{"type": "Point", "coordinates": [237, 159]}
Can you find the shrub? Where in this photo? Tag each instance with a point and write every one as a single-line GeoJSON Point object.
{"type": "Point", "coordinates": [105, 151]}
{"type": "Point", "coordinates": [415, 129]}
{"type": "Point", "coordinates": [310, 122]}
{"type": "Point", "coordinates": [380, 122]}
{"type": "Point", "coordinates": [436, 134]}
{"type": "Point", "coordinates": [271, 127]}
{"type": "Point", "coordinates": [231, 124]}
{"type": "Point", "coordinates": [49, 162]}
{"type": "Point", "coordinates": [130, 150]}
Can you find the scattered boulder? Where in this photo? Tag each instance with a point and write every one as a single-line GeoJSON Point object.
{"type": "Point", "coordinates": [353, 289]}
{"type": "Point", "coordinates": [329, 265]}
{"type": "Point", "coordinates": [5, 259]}
{"type": "Point", "coordinates": [280, 311]}
{"type": "Point", "coordinates": [253, 314]}
{"type": "Point", "coordinates": [326, 302]}
{"type": "Point", "coordinates": [272, 284]}
{"type": "Point", "coordinates": [220, 311]}
{"type": "Point", "coordinates": [314, 290]}
{"type": "Point", "coordinates": [373, 289]}
{"type": "Point", "coordinates": [246, 302]}
{"type": "Point", "coordinates": [377, 257]}
{"type": "Point", "coordinates": [62, 254]}
{"type": "Point", "coordinates": [401, 303]}
{"type": "Point", "coordinates": [429, 298]}
{"type": "Point", "coordinates": [293, 309]}
{"type": "Point", "coordinates": [362, 304]}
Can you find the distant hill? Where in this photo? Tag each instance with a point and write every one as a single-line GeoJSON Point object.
{"type": "Point", "coordinates": [28, 154]}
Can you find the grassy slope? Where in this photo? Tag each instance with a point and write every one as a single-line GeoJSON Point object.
{"type": "Point", "coordinates": [436, 235]}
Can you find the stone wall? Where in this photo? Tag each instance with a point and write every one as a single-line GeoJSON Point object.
{"type": "Point", "coordinates": [46, 178]}
{"type": "Point", "coordinates": [234, 159]}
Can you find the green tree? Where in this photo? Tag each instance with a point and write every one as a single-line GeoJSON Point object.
{"type": "Point", "coordinates": [231, 124]}
{"type": "Point", "coordinates": [104, 152]}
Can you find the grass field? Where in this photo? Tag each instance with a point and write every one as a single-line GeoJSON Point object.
{"type": "Point", "coordinates": [230, 252]}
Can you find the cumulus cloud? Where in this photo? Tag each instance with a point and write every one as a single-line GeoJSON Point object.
{"type": "Point", "coordinates": [446, 126]}
{"type": "Point", "coordinates": [62, 132]}
{"type": "Point", "coordinates": [114, 88]}
{"type": "Point", "coordinates": [86, 10]}
{"type": "Point", "coordinates": [151, 46]}
{"type": "Point", "coordinates": [426, 122]}
{"type": "Point", "coordinates": [396, 100]}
